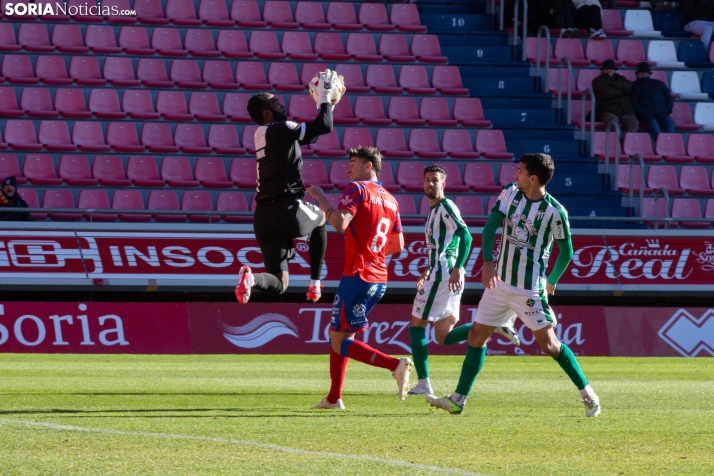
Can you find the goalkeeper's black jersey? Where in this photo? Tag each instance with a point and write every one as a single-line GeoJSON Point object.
{"type": "Point", "coordinates": [277, 149]}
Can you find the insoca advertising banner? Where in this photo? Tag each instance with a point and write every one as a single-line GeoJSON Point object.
{"type": "Point", "coordinates": [261, 328]}
{"type": "Point", "coordinates": [602, 262]}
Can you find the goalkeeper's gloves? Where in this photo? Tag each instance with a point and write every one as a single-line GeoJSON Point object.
{"type": "Point", "coordinates": [324, 88]}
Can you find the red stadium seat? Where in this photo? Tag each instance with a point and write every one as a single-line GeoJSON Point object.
{"type": "Point", "coordinates": [468, 112]}
{"type": "Point", "coordinates": [314, 173]}
{"type": "Point", "coordinates": [382, 80]}
{"type": "Point", "coordinates": [391, 143]}
{"type": "Point", "coordinates": [219, 75]}
{"type": "Point", "coordinates": [150, 12]}
{"type": "Point", "coordinates": [162, 200]}
{"type": "Point", "coordinates": [386, 178]}
{"type": "Point", "coordinates": [98, 200]}
{"type": "Point", "coordinates": [247, 14]}
{"type": "Point", "coordinates": [374, 17]}
{"type": "Point", "coordinates": [328, 145]}
{"type": "Point", "coordinates": [74, 170]}
{"type": "Point", "coordinates": [251, 75]}
{"type": "Point", "coordinates": [403, 110]}
{"type": "Point", "coordinates": [68, 39]}
{"type": "Point", "coordinates": [176, 171]}
{"type": "Point", "coordinates": [120, 72]}
{"type": "Point", "coordinates": [370, 110]}
{"type": "Point", "coordinates": [51, 70]}
{"type": "Point", "coordinates": [573, 49]}
{"type": "Point", "coordinates": [85, 71]}
{"type": "Point", "coordinates": [265, 45]}
{"type": "Point", "coordinates": [211, 173]}
{"type": "Point", "coordinates": [688, 208]}
{"type": "Point", "coordinates": [17, 69]}
{"type": "Point", "coordinates": [109, 170]}
{"type": "Point", "coordinates": [152, 73]}
{"type": "Point", "coordinates": [134, 40]}
{"type": "Point", "coordinates": [186, 74]}
{"type": "Point", "coordinates": [361, 47]}
{"type": "Point", "coordinates": [143, 171]}
{"type": "Point", "coordinates": [122, 137]}
{"type": "Point", "coordinates": [701, 146]}
{"type": "Point", "coordinates": [599, 147]}
{"type": "Point", "coordinates": [695, 180]}
{"type": "Point", "coordinates": [8, 103]}
{"type": "Point", "coordinates": [342, 113]}
{"type": "Point", "coordinates": [623, 179]}
{"type": "Point", "coordinates": [199, 42]}
{"type": "Point", "coordinates": [167, 42]}
{"type": "Point", "coordinates": [54, 135]}
{"type": "Point", "coordinates": [394, 48]}
{"type": "Point", "coordinates": [671, 148]}
{"type": "Point", "coordinates": [342, 16]}
{"type": "Point", "coordinates": [309, 70]}
{"type": "Point", "coordinates": [435, 111]}
{"type": "Point", "coordinates": [664, 176]}
{"type": "Point", "coordinates": [532, 50]}
{"type": "Point", "coordinates": [566, 77]}
{"type": "Point", "coordinates": [157, 138]}
{"type": "Point", "coordinates": [414, 79]}
{"type": "Point", "coordinates": [214, 13]}
{"type": "Point", "coordinates": [454, 182]}
{"type": "Point", "coordinates": [36, 102]}
{"type": "Point", "coordinates": [405, 17]}
{"type": "Point", "coordinates": [301, 108]}
{"type": "Point", "coordinates": [491, 144]}
{"type": "Point", "coordinates": [329, 47]}
{"type": "Point", "coordinates": [60, 198]}
{"type": "Point", "coordinates": [191, 139]}
{"type": "Point", "coordinates": [612, 23]}
{"type": "Point", "coordinates": [631, 52]}
{"type": "Point", "coordinates": [224, 139]}
{"type": "Point", "coordinates": [204, 107]}
{"type": "Point", "coordinates": [39, 169]}
{"type": "Point", "coordinates": [641, 143]}
{"type": "Point", "coordinates": [244, 173]}
{"type": "Point", "coordinates": [599, 51]}
{"type": "Point", "coordinates": [88, 136]}
{"type": "Point", "coordinates": [8, 42]}
{"type": "Point", "coordinates": [479, 177]}
{"type": "Point", "coordinates": [233, 202]}
{"type": "Point", "coordinates": [470, 205]}
{"type": "Point", "coordinates": [458, 144]}
{"type": "Point", "coordinates": [129, 200]}
{"type": "Point", "coordinates": [182, 12]}
{"type": "Point", "coordinates": [355, 137]}
{"type": "Point", "coordinates": [338, 174]}
{"type": "Point", "coordinates": [410, 175]}
{"type": "Point", "coordinates": [30, 196]}
{"type": "Point", "coordinates": [425, 144]}
{"type": "Point", "coordinates": [20, 135]}
{"type": "Point", "coordinates": [407, 207]}
{"type": "Point", "coordinates": [104, 104]}
{"type": "Point", "coordinates": [194, 200]}
{"type": "Point", "coordinates": [91, 4]}
{"type": "Point", "coordinates": [297, 45]}
{"type": "Point", "coordinates": [427, 49]}
{"type": "Point", "coordinates": [232, 44]}
{"type": "Point", "coordinates": [172, 106]}
{"type": "Point", "coordinates": [506, 174]}
{"type": "Point", "coordinates": [139, 104]}
{"type": "Point", "coordinates": [447, 80]}
{"type": "Point", "coordinates": [120, 5]}
{"type": "Point", "coordinates": [585, 79]}
{"type": "Point", "coordinates": [9, 167]}
{"type": "Point", "coordinates": [682, 117]}
{"type": "Point", "coordinates": [353, 76]}
{"type": "Point", "coordinates": [279, 15]}
{"type": "Point", "coordinates": [284, 77]}
{"type": "Point", "coordinates": [34, 38]}
{"type": "Point", "coordinates": [310, 16]}
{"type": "Point", "coordinates": [248, 138]}
{"type": "Point", "coordinates": [708, 208]}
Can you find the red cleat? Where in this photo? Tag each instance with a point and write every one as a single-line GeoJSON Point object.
{"type": "Point", "coordinates": [314, 293]}
{"type": "Point", "coordinates": [245, 283]}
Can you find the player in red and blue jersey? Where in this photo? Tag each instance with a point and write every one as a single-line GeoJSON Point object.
{"type": "Point", "coordinates": [369, 217]}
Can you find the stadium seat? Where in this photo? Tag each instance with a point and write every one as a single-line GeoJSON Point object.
{"type": "Point", "coordinates": [342, 16]}
{"type": "Point", "coordinates": [8, 102]}
{"type": "Point", "coordinates": [34, 38]}
{"type": "Point", "coordinates": [157, 137]}
{"type": "Point", "coordinates": [297, 45]}
{"type": "Point", "coordinates": [700, 146]}
{"type": "Point", "coordinates": [9, 167]}
{"type": "Point", "coordinates": [393, 47]}
{"type": "Point", "coordinates": [301, 108]}
{"type": "Point", "coordinates": [233, 202]}
{"type": "Point", "coordinates": [328, 145]}
{"type": "Point", "coordinates": [386, 178]}
{"type": "Point", "coordinates": [39, 169]}
{"type": "Point", "coordinates": [458, 144]}
{"type": "Point", "coordinates": [60, 198]}
{"type": "Point", "coordinates": [566, 77]}
{"type": "Point", "coordinates": [247, 14]}
{"type": "Point", "coordinates": [639, 22]}
{"type": "Point", "coordinates": [470, 205]}
{"type": "Point", "coordinates": [30, 196]}
{"type": "Point", "coordinates": [8, 41]}
{"type": "Point", "coordinates": [391, 143]}
{"type": "Point", "coordinates": [191, 139]}
{"type": "Point", "coordinates": [637, 142]}
{"type": "Point", "coordinates": [138, 104]}
{"type": "Point", "coordinates": [89, 137]}
{"type": "Point", "coordinates": [186, 74]}
{"type": "Point", "coordinates": [122, 137]}
{"type": "Point", "coordinates": [98, 200]}
{"type": "Point", "coordinates": [193, 200]}
{"type": "Point", "coordinates": [199, 42]}
{"type": "Point", "coordinates": [121, 5]}
{"type": "Point", "coordinates": [81, 17]}
{"type": "Point", "coordinates": [342, 113]}
{"type": "Point", "coordinates": [232, 44]}
{"type": "Point", "coordinates": [599, 51]}
{"type": "Point", "coordinates": [623, 180]}
{"type": "Point", "coordinates": [214, 13]}
{"type": "Point", "coordinates": [707, 83]}
{"type": "Point", "coordinates": [506, 174]}
{"type": "Point", "coordinates": [172, 106]}
{"type": "Point", "coordinates": [143, 171]}
{"type": "Point", "coordinates": [612, 23]}
{"type": "Point", "coordinates": [20, 135]}
{"type": "Point", "coordinates": [161, 200]}
{"type": "Point", "coordinates": [573, 49]}
{"type": "Point", "coordinates": [491, 144]}
{"type": "Point", "coordinates": [704, 115]}
{"type": "Point", "coordinates": [425, 143]}
{"type": "Point", "coordinates": [669, 22]}
{"type": "Point", "coordinates": [648, 211]}
{"type": "Point", "coordinates": [85, 71]}
{"type": "Point", "coordinates": [309, 70]}
{"type": "Point", "coordinates": [447, 80]}
{"type": "Point", "coordinates": [353, 76]}
{"type": "Point", "coordinates": [109, 170]}
{"type": "Point", "coordinates": [314, 173]}
{"type": "Point", "coordinates": [134, 40]}
{"type": "Point", "coordinates": [265, 45]}
{"type": "Point", "coordinates": [381, 79]}
{"type": "Point", "coordinates": [682, 117]}
{"type": "Point", "coordinates": [211, 173]}
{"type": "Point", "coordinates": [204, 107]}
{"type": "Point", "coordinates": [424, 205]}
{"type": "Point", "coordinates": [54, 135]}
{"type": "Point", "coordinates": [664, 176]}
{"type": "Point", "coordinates": [414, 79]}
{"type": "Point", "coordinates": [338, 174]}
{"type": "Point", "coordinates": [479, 177]}
{"type": "Point", "coordinates": [284, 77]}
{"type": "Point", "coordinates": [248, 138]}
{"type": "Point", "coordinates": [51, 70]}
{"type": "Point", "coordinates": [235, 107]}
{"type": "Point", "coordinates": [355, 137]}
{"type": "Point", "coordinates": [176, 171]}
{"type": "Point", "coordinates": [454, 182]}
{"type": "Point", "coordinates": [686, 85]}
{"type": "Point", "coordinates": [68, 39]}
{"type": "Point", "coordinates": [219, 75]}
{"type": "Point", "coordinates": [532, 50]}
{"type": "Point", "coordinates": [152, 73]}
{"type": "Point", "coordinates": [410, 175]}
{"type": "Point", "coordinates": [688, 208]}
{"type": "Point", "coordinates": [251, 75]}
{"type": "Point", "coordinates": [329, 47]}
{"type": "Point", "coordinates": [120, 72]}
{"type": "Point", "coordinates": [223, 139]}
{"type": "Point", "coordinates": [663, 54]}
{"type": "Point", "coordinates": [403, 111]}
{"type": "Point", "coordinates": [100, 39]}
{"type": "Point", "coordinates": [36, 102]}
{"type": "Point", "coordinates": [74, 170]}
{"type": "Point", "coordinates": [167, 42]}
{"type": "Point", "coordinates": [708, 208]}
{"type": "Point", "coordinates": [405, 16]}
{"type": "Point", "coordinates": [182, 12]}
{"type": "Point", "coordinates": [469, 113]}
{"type": "Point", "coordinates": [435, 111]}
{"type": "Point", "coordinates": [279, 15]}
{"type": "Point", "coordinates": [361, 47]}
{"type": "Point", "coordinates": [310, 16]}
{"type": "Point", "coordinates": [585, 79]}
{"type": "Point", "coordinates": [693, 54]}
{"type": "Point", "coordinates": [104, 104]}
{"type": "Point", "coordinates": [150, 12]}
{"type": "Point", "coordinates": [243, 173]}
{"type": "Point", "coordinates": [129, 200]}
{"type": "Point", "coordinates": [374, 17]}
{"type": "Point", "coordinates": [370, 111]}
{"type": "Point", "coordinates": [671, 148]}
{"type": "Point", "coordinates": [631, 52]}
{"type": "Point", "coordinates": [407, 207]}
{"type": "Point", "coordinates": [695, 180]}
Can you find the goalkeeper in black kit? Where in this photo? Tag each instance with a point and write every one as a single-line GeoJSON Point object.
{"type": "Point", "coordinates": [281, 214]}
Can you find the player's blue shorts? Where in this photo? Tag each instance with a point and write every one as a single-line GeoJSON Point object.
{"type": "Point", "coordinates": [353, 301]}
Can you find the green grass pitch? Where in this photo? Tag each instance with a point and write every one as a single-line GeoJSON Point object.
{"type": "Point", "coordinates": [232, 414]}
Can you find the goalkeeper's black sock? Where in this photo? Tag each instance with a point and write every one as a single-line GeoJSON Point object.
{"type": "Point", "coordinates": [318, 246]}
{"type": "Point", "coordinates": [268, 283]}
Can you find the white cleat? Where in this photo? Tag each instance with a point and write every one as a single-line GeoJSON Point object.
{"type": "Point", "coordinates": [510, 333]}
{"type": "Point", "coordinates": [592, 405]}
{"type": "Point", "coordinates": [421, 390]}
{"type": "Point", "coordinates": [445, 403]}
{"type": "Point", "coordinates": [330, 406]}
{"type": "Point", "coordinates": [402, 375]}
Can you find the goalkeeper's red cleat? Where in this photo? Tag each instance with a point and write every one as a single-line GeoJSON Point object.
{"type": "Point", "coordinates": [314, 293]}
{"type": "Point", "coordinates": [245, 283]}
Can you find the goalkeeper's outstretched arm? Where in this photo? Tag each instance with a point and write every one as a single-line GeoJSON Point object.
{"type": "Point", "coordinates": [320, 126]}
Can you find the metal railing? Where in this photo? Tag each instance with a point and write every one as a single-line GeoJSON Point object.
{"type": "Point", "coordinates": [587, 92]}
{"type": "Point", "coordinates": [524, 29]}
{"type": "Point", "coordinates": [655, 213]}
{"type": "Point", "coordinates": [610, 126]}
{"type": "Point", "coordinates": [542, 29]}
{"type": "Point", "coordinates": [630, 194]}
{"type": "Point", "coordinates": [569, 103]}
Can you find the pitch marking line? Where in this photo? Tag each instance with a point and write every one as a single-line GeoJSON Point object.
{"type": "Point", "coordinates": [268, 446]}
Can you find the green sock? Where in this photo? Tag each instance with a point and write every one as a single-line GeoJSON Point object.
{"type": "Point", "coordinates": [470, 369]}
{"type": "Point", "coordinates": [457, 334]}
{"type": "Point", "coordinates": [420, 351]}
{"type": "Point", "coordinates": [567, 361]}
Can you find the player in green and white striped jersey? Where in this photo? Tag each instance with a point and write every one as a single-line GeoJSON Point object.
{"type": "Point", "coordinates": [440, 286]}
{"type": "Point", "coordinates": [518, 285]}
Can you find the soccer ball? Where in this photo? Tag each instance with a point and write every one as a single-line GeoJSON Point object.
{"type": "Point", "coordinates": [336, 90]}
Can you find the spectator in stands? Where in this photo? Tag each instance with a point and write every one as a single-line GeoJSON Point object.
{"type": "Point", "coordinates": [652, 101]}
{"type": "Point", "coordinates": [10, 198]}
{"type": "Point", "coordinates": [588, 16]}
{"type": "Point", "coordinates": [555, 14]}
{"type": "Point", "coordinates": [698, 18]}
{"type": "Point", "coordinates": [612, 98]}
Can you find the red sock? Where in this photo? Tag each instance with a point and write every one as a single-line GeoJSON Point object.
{"type": "Point", "coordinates": [338, 367]}
{"type": "Point", "coordinates": [362, 352]}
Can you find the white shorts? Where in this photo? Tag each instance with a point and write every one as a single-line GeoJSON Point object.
{"type": "Point", "coordinates": [501, 304]}
{"type": "Point", "coordinates": [434, 301]}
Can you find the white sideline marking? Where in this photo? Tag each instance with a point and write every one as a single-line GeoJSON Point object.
{"type": "Point", "coordinates": [284, 449]}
